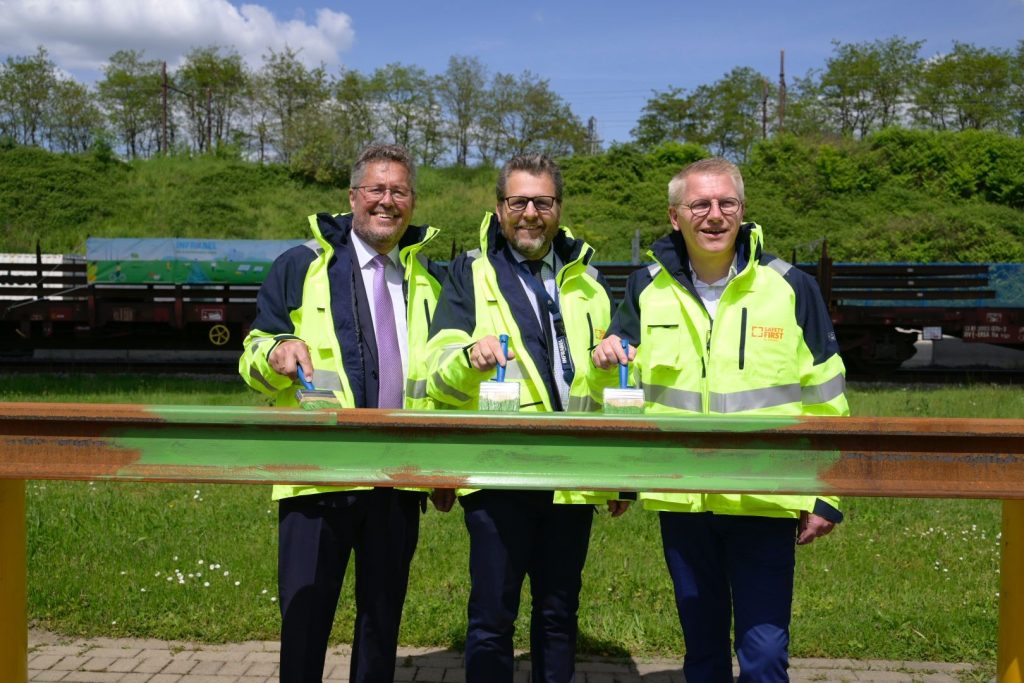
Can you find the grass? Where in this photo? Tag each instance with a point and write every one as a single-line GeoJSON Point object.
{"type": "Point", "coordinates": [869, 207]}
{"type": "Point", "coordinates": [901, 579]}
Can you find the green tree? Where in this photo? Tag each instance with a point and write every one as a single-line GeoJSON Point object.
{"type": "Point", "coordinates": [433, 138]}
{"type": "Point", "coordinates": [356, 118]}
{"type": "Point", "coordinates": [864, 84]}
{"type": "Point", "coordinates": [130, 94]}
{"type": "Point", "coordinates": [407, 108]}
{"type": "Point", "coordinates": [724, 116]}
{"type": "Point", "coordinates": [284, 92]}
{"type": "Point", "coordinates": [26, 88]}
{"type": "Point", "coordinates": [523, 115]}
{"type": "Point", "coordinates": [461, 92]}
{"type": "Point", "coordinates": [1015, 101]}
{"type": "Point", "coordinates": [668, 116]}
{"type": "Point", "coordinates": [212, 82]}
{"type": "Point", "coordinates": [965, 89]}
{"type": "Point", "coordinates": [731, 111]}
{"type": "Point", "coordinates": [806, 113]}
{"type": "Point", "coordinates": [73, 117]}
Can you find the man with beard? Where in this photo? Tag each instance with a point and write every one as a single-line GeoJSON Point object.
{"type": "Point", "coordinates": [530, 279]}
{"type": "Point", "coordinates": [351, 308]}
{"type": "Point", "coordinates": [717, 326]}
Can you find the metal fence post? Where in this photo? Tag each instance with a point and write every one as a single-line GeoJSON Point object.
{"type": "Point", "coordinates": [1011, 595]}
{"type": "Point", "coordinates": [13, 585]}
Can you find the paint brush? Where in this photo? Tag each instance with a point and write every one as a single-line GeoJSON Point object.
{"type": "Point", "coordinates": [497, 395]}
{"type": "Point", "coordinates": [624, 400]}
{"type": "Point", "coordinates": [311, 398]}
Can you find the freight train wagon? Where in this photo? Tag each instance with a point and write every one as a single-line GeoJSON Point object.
{"type": "Point", "coordinates": [185, 294]}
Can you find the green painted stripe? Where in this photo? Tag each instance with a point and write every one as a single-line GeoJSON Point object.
{"type": "Point", "coordinates": [502, 457]}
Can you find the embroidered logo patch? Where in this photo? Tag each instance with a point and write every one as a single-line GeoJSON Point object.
{"type": "Point", "coordinates": [769, 333]}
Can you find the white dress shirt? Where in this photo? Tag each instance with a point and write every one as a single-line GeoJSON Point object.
{"type": "Point", "coordinates": [393, 273]}
{"type": "Point", "coordinates": [711, 292]}
{"type": "Point", "coordinates": [551, 265]}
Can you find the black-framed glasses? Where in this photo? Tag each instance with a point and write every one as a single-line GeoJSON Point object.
{"type": "Point", "coordinates": [543, 203]}
{"type": "Point", "coordinates": [376, 192]}
{"type": "Point", "coordinates": [702, 207]}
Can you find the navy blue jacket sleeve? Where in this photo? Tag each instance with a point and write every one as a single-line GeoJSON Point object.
{"type": "Point", "coordinates": [281, 292]}
{"type": "Point", "coordinates": [813, 317]}
{"type": "Point", "coordinates": [456, 307]}
{"type": "Point", "coordinates": [626, 321]}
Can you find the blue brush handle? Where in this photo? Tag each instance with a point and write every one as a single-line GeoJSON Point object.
{"type": "Point", "coordinates": [302, 378]}
{"type": "Point", "coordinates": [624, 367]}
{"type": "Point", "coordinates": [504, 350]}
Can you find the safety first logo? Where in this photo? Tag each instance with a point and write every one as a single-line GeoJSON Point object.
{"type": "Point", "coordinates": [767, 333]}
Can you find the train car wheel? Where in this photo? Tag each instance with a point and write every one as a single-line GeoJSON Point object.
{"type": "Point", "coordinates": [219, 335]}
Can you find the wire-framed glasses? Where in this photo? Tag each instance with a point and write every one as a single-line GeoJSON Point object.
{"type": "Point", "coordinates": [376, 192]}
{"type": "Point", "coordinates": [702, 207]}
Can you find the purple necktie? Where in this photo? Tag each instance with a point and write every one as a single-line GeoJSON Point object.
{"type": "Point", "coordinates": [389, 357]}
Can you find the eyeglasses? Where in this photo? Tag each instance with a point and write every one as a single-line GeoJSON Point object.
{"type": "Point", "coordinates": [702, 207]}
{"type": "Point", "coordinates": [542, 204]}
{"type": "Point", "coordinates": [376, 193]}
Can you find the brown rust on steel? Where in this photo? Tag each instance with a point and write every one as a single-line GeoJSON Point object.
{"type": "Point", "coordinates": [62, 458]}
{"type": "Point", "coordinates": [876, 456]}
{"type": "Point", "coordinates": [411, 473]}
{"type": "Point", "coordinates": [81, 413]}
{"type": "Point", "coordinates": [108, 412]}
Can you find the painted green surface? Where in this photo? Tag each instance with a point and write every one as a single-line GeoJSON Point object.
{"type": "Point", "coordinates": [262, 446]}
{"type": "Point", "coordinates": [289, 416]}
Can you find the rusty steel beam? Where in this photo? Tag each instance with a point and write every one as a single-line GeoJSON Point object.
{"type": "Point", "coordinates": [912, 457]}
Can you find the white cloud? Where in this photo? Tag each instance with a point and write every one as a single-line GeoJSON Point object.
{"type": "Point", "coordinates": [82, 34]}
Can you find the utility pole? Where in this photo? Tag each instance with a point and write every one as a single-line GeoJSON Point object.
{"type": "Point", "coordinates": [764, 109]}
{"type": "Point", "coordinates": [782, 90]}
{"type": "Point", "coordinates": [163, 136]}
{"type": "Point", "coordinates": [593, 144]}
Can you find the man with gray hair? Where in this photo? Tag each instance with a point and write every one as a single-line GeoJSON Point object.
{"type": "Point", "coordinates": [350, 308]}
{"type": "Point", "coordinates": [717, 326]}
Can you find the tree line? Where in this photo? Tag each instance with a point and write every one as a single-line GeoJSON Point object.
{"type": "Point", "coordinates": [315, 122]}
{"type": "Point", "coordinates": [284, 111]}
{"type": "Point", "coordinates": [862, 88]}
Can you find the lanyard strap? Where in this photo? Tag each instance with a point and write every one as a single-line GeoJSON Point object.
{"type": "Point", "coordinates": [551, 304]}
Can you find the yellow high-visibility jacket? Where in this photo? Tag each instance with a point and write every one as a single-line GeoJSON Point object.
{"type": "Point", "coordinates": [770, 350]}
{"type": "Point", "coordinates": [483, 296]}
{"type": "Point", "coordinates": [311, 295]}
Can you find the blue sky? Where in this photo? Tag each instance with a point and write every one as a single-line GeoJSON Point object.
{"type": "Point", "coordinates": [605, 59]}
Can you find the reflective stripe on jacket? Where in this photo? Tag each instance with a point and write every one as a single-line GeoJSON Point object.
{"type": "Point", "coordinates": [475, 304]}
{"type": "Point", "coordinates": [334, 344]}
{"type": "Point", "coordinates": [770, 350]}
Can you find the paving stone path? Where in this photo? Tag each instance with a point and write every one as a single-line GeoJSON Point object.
{"type": "Point", "coordinates": [105, 660]}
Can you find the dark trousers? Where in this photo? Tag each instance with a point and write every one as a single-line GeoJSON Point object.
{"type": "Point", "coordinates": [513, 534]}
{"type": "Point", "coordinates": [727, 567]}
{"type": "Point", "coordinates": [316, 535]}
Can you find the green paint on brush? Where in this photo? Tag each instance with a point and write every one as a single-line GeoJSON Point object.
{"type": "Point", "coordinates": [624, 409]}
{"type": "Point", "coordinates": [320, 404]}
{"type": "Point", "coordinates": [623, 401]}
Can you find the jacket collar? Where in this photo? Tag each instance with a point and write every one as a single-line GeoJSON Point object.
{"type": "Point", "coordinates": [334, 232]}
{"type": "Point", "coordinates": [567, 247]}
{"type": "Point", "coordinates": [670, 252]}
